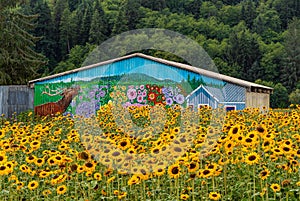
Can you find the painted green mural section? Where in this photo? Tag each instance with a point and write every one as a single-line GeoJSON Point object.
{"type": "Point", "coordinates": [127, 90]}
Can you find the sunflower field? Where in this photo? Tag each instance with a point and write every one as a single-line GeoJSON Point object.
{"type": "Point", "coordinates": [152, 153]}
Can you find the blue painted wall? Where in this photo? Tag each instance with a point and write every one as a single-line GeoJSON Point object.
{"type": "Point", "coordinates": [221, 90]}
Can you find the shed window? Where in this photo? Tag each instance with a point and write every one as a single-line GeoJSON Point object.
{"type": "Point", "coordinates": [230, 107]}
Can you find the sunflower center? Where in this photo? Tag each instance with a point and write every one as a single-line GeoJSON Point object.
{"type": "Point", "coordinates": [192, 166]}
{"type": "Point", "coordinates": [264, 173]}
{"type": "Point", "coordinates": [248, 140]}
{"type": "Point", "coordinates": [260, 129]}
{"type": "Point", "coordinates": [286, 149]}
{"type": "Point", "coordinates": [177, 149]}
{"type": "Point", "coordinates": [116, 153]}
{"type": "Point", "coordinates": [123, 144]}
{"type": "Point", "coordinates": [175, 170]}
{"type": "Point", "coordinates": [235, 130]}
{"type": "Point", "coordinates": [252, 158]}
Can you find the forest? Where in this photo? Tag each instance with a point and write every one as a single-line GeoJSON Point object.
{"type": "Point", "coordinates": [254, 40]}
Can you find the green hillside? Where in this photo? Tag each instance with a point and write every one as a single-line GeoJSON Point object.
{"type": "Point", "coordinates": [255, 40]}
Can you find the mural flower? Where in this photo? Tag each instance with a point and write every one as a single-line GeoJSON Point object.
{"type": "Point", "coordinates": [169, 101]}
{"type": "Point", "coordinates": [86, 109]}
{"type": "Point", "coordinates": [140, 99]}
{"type": "Point", "coordinates": [131, 94]}
{"type": "Point", "coordinates": [180, 99]}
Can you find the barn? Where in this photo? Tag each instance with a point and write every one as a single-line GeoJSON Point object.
{"type": "Point", "coordinates": [139, 79]}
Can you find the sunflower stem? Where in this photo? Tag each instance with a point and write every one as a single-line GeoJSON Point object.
{"type": "Point", "coordinates": [193, 190]}
{"type": "Point", "coordinates": [254, 182]}
{"type": "Point", "coordinates": [225, 179]}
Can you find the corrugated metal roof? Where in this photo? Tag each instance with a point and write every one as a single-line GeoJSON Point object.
{"type": "Point", "coordinates": [167, 62]}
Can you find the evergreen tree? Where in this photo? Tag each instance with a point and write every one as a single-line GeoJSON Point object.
{"type": "Point", "coordinates": [44, 27]}
{"type": "Point", "coordinates": [99, 30]}
{"type": "Point", "coordinates": [243, 50]}
{"type": "Point", "coordinates": [291, 67]}
{"type": "Point", "coordinates": [18, 61]}
{"type": "Point", "coordinates": [66, 29]}
{"type": "Point", "coordinates": [132, 13]}
{"type": "Point", "coordinates": [154, 4]}
{"type": "Point", "coordinates": [121, 22]}
{"type": "Point", "coordinates": [86, 22]}
{"type": "Point", "coordinates": [58, 9]}
{"type": "Point", "coordinates": [248, 12]}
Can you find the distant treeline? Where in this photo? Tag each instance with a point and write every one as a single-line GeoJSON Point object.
{"type": "Point", "coordinates": [255, 40]}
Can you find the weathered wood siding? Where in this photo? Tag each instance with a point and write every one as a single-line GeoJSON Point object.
{"type": "Point", "coordinates": [18, 98]}
{"type": "Point", "coordinates": [257, 100]}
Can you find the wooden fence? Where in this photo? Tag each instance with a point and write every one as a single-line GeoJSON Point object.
{"type": "Point", "coordinates": [15, 99]}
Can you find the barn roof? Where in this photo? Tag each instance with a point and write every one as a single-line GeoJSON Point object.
{"type": "Point", "coordinates": [167, 62]}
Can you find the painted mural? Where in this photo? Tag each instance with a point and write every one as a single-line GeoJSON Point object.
{"type": "Point", "coordinates": [134, 81]}
{"type": "Point", "coordinates": [85, 98]}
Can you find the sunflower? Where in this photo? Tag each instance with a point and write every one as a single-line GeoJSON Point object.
{"type": "Point", "coordinates": [24, 168]}
{"type": "Point", "coordinates": [89, 167]}
{"type": "Point", "coordinates": [98, 176]}
{"type": "Point", "coordinates": [229, 146]}
{"type": "Point", "coordinates": [205, 173]}
{"type": "Point", "coordinates": [44, 174]}
{"type": "Point", "coordinates": [124, 144]}
{"type": "Point", "coordinates": [275, 187]}
{"type": "Point", "coordinates": [108, 172]}
{"type": "Point", "coordinates": [214, 196]}
{"type": "Point", "coordinates": [234, 131]}
{"type": "Point", "coordinates": [39, 162]}
{"type": "Point", "coordinates": [193, 166]}
{"type": "Point", "coordinates": [58, 159]}
{"type": "Point", "coordinates": [285, 149]}
{"type": "Point", "coordinates": [19, 185]}
{"type": "Point", "coordinates": [174, 171]}
{"type": "Point", "coordinates": [135, 179]}
{"type": "Point", "coordinates": [122, 195]}
{"type": "Point", "coordinates": [61, 189]}
{"type": "Point", "coordinates": [3, 157]}
{"type": "Point", "coordinates": [30, 159]}
{"type": "Point", "coordinates": [2, 133]}
{"type": "Point", "coordinates": [46, 193]}
{"type": "Point", "coordinates": [184, 196]}
{"type": "Point", "coordinates": [159, 170]}
{"type": "Point", "coordinates": [33, 185]}
{"type": "Point", "coordinates": [261, 130]}
{"type": "Point", "coordinates": [4, 170]}
{"type": "Point", "coordinates": [111, 179]}
{"type": "Point", "coordinates": [252, 158]}
{"type": "Point", "coordinates": [264, 174]}
{"type": "Point", "coordinates": [35, 144]}
{"type": "Point", "coordinates": [83, 155]}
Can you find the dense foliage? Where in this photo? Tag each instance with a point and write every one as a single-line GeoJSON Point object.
{"type": "Point", "coordinates": [246, 39]}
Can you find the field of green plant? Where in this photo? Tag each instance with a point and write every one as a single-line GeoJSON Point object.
{"type": "Point", "coordinates": [152, 153]}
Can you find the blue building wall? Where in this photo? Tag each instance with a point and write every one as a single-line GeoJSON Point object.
{"type": "Point", "coordinates": [217, 91]}
{"type": "Point", "coordinates": [135, 65]}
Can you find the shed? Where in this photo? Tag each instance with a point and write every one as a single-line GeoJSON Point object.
{"type": "Point", "coordinates": [139, 79]}
{"type": "Point", "coordinates": [15, 99]}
